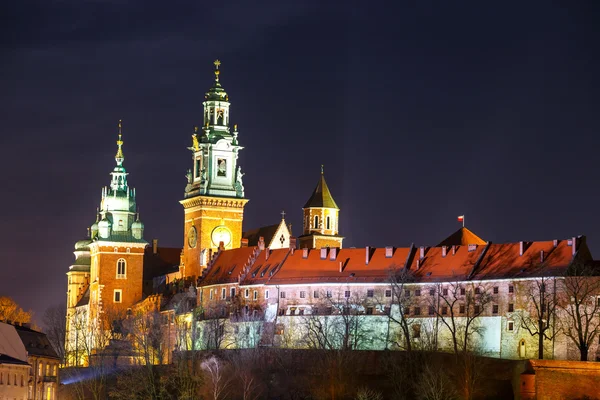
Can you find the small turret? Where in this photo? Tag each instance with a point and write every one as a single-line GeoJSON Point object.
{"type": "Point", "coordinates": [104, 228]}
{"type": "Point", "coordinates": [137, 228]}
{"type": "Point", "coordinates": [95, 226]}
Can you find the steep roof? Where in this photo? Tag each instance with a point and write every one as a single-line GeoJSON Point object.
{"type": "Point", "coordinates": [462, 237]}
{"type": "Point", "coordinates": [229, 265]}
{"type": "Point", "coordinates": [164, 261]}
{"type": "Point", "coordinates": [321, 196]}
{"type": "Point", "coordinates": [249, 265]}
{"type": "Point", "coordinates": [36, 343]}
{"type": "Point", "coordinates": [11, 344]}
{"type": "Point", "coordinates": [348, 266]}
{"type": "Point", "coordinates": [267, 232]}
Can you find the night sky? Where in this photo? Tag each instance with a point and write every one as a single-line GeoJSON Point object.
{"type": "Point", "coordinates": [420, 113]}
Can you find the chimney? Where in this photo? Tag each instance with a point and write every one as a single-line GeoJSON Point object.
{"type": "Point", "coordinates": [221, 246]}
{"type": "Point", "coordinates": [323, 253]}
{"type": "Point", "coordinates": [418, 264]}
{"type": "Point", "coordinates": [367, 255]}
{"type": "Point", "coordinates": [453, 249]}
{"type": "Point", "coordinates": [341, 267]}
{"type": "Point", "coordinates": [574, 245]}
{"type": "Point", "coordinates": [155, 246]}
{"type": "Point", "coordinates": [521, 248]}
{"type": "Point", "coordinates": [422, 252]}
{"type": "Point", "coordinates": [293, 242]}
{"type": "Point", "coordinates": [292, 250]}
{"type": "Point", "coordinates": [261, 243]}
{"type": "Point", "coordinates": [332, 253]}
{"type": "Point", "coordinates": [555, 243]}
{"type": "Point", "coordinates": [244, 243]}
{"type": "Point", "coordinates": [267, 253]}
{"type": "Point", "coordinates": [542, 256]}
{"type": "Point", "coordinates": [305, 253]}
{"type": "Point", "coordinates": [389, 252]}
{"type": "Point", "coordinates": [443, 251]}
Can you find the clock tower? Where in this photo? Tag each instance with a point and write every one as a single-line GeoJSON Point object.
{"type": "Point", "coordinates": [214, 195]}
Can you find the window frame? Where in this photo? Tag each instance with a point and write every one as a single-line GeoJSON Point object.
{"type": "Point", "coordinates": [120, 292]}
{"type": "Point", "coordinates": [121, 262]}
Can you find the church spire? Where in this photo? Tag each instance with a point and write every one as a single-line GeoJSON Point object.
{"type": "Point", "coordinates": [119, 175]}
{"type": "Point", "coordinates": [119, 158]}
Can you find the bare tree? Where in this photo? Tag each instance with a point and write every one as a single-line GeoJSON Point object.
{"type": "Point", "coordinates": [337, 328]}
{"type": "Point", "coordinates": [540, 318]}
{"type": "Point", "coordinates": [187, 377]}
{"type": "Point", "coordinates": [581, 304]}
{"type": "Point", "coordinates": [55, 323]}
{"type": "Point", "coordinates": [458, 305]}
{"type": "Point", "coordinates": [400, 279]}
{"type": "Point", "coordinates": [218, 379]}
{"type": "Point", "coordinates": [246, 364]}
{"type": "Point", "coordinates": [434, 384]}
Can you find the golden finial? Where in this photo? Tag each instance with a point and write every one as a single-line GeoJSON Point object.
{"type": "Point", "coordinates": [217, 72]}
{"type": "Point", "coordinates": [119, 155]}
{"type": "Point", "coordinates": [321, 169]}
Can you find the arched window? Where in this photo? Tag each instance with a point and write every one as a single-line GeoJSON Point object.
{"type": "Point", "coordinates": [307, 223]}
{"type": "Point", "coordinates": [121, 268]}
{"type": "Point", "coordinates": [316, 222]}
{"type": "Point", "coordinates": [328, 223]}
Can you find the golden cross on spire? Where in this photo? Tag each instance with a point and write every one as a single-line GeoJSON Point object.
{"type": "Point", "coordinates": [217, 72]}
{"type": "Point", "coordinates": [321, 169]}
{"type": "Point", "coordinates": [120, 143]}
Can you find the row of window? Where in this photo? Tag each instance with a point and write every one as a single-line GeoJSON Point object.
{"type": "Point", "coordinates": [329, 311]}
{"type": "Point", "coordinates": [316, 222]}
{"type": "Point", "coordinates": [328, 293]}
{"type": "Point", "coordinates": [212, 293]}
{"type": "Point", "coordinates": [50, 369]}
{"type": "Point", "coordinates": [463, 291]}
{"type": "Point", "coordinates": [14, 380]}
{"type": "Point", "coordinates": [461, 309]}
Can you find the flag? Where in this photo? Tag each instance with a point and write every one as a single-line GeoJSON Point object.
{"type": "Point", "coordinates": [461, 218]}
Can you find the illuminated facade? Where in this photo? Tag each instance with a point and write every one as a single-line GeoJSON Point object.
{"type": "Point", "coordinates": [214, 195]}
{"type": "Point", "coordinates": [265, 287]}
{"type": "Point", "coordinates": [107, 276]}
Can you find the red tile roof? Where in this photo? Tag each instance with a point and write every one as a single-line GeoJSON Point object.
{"type": "Point", "coordinates": [437, 264]}
{"type": "Point", "coordinates": [352, 263]}
{"type": "Point", "coordinates": [229, 265]}
{"type": "Point", "coordinates": [456, 265]}
{"type": "Point", "coordinates": [462, 237]}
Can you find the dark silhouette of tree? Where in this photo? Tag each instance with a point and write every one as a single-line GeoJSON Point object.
{"type": "Point", "coordinates": [581, 305]}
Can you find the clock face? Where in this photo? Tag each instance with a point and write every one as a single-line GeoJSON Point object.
{"type": "Point", "coordinates": [192, 237]}
{"type": "Point", "coordinates": [221, 234]}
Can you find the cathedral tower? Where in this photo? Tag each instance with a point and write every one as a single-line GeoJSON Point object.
{"type": "Point", "coordinates": [321, 217]}
{"type": "Point", "coordinates": [117, 247]}
{"type": "Point", "coordinates": [214, 196]}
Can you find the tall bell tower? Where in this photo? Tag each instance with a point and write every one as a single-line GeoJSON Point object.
{"type": "Point", "coordinates": [214, 195]}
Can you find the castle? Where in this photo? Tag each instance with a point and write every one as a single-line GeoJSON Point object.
{"type": "Point", "coordinates": [264, 287]}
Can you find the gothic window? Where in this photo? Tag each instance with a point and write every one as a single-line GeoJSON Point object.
{"type": "Point", "coordinates": [256, 295]}
{"type": "Point", "coordinates": [247, 293]}
{"type": "Point", "coordinates": [316, 226]}
{"type": "Point", "coordinates": [121, 268]}
{"type": "Point", "coordinates": [306, 223]}
{"type": "Point", "coordinates": [266, 294]}
{"type": "Point", "coordinates": [223, 293]}
{"type": "Point", "coordinates": [232, 293]}
{"type": "Point", "coordinates": [328, 223]}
